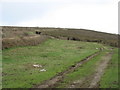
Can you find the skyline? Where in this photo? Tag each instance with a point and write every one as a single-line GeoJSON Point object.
{"type": "Point", "coordinates": [99, 15]}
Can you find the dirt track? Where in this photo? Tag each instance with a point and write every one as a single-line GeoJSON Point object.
{"type": "Point", "coordinates": [53, 81]}
{"type": "Point", "coordinates": [92, 81]}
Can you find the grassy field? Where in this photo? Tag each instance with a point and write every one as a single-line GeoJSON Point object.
{"type": "Point", "coordinates": [23, 48]}
{"type": "Point", "coordinates": [54, 55]}
{"type": "Point", "coordinates": [110, 77]}
{"type": "Point", "coordinates": [108, 80]}
{"type": "Point", "coordinates": [86, 70]}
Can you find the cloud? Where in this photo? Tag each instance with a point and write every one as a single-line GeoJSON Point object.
{"type": "Point", "coordinates": [100, 15]}
{"type": "Point", "coordinates": [63, 1]}
{"type": "Point", "coordinates": [101, 18]}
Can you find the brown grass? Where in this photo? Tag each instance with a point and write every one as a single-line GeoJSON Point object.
{"type": "Point", "coordinates": [23, 41]}
{"type": "Point", "coordinates": [61, 33]}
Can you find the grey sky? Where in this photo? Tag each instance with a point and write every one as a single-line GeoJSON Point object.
{"type": "Point", "coordinates": [100, 15]}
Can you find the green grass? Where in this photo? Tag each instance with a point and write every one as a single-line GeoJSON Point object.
{"type": "Point", "coordinates": [110, 77]}
{"type": "Point", "coordinates": [54, 55]}
{"type": "Point", "coordinates": [84, 71]}
{"type": "Point", "coordinates": [85, 35]}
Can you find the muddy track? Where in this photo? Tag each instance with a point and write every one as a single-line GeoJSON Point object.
{"type": "Point", "coordinates": [92, 81]}
{"type": "Point", "coordinates": [53, 81]}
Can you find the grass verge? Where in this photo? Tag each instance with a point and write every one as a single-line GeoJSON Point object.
{"type": "Point", "coordinates": [110, 77]}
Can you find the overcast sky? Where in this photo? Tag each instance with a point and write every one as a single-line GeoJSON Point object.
{"type": "Point", "coordinates": [99, 15]}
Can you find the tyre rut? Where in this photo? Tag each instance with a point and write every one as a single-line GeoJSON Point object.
{"type": "Point", "coordinates": [53, 81]}
{"type": "Point", "coordinates": [92, 81]}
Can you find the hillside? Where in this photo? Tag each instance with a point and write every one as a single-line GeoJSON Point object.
{"type": "Point", "coordinates": [34, 57]}
{"type": "Point", "coordinates": [61, 33]}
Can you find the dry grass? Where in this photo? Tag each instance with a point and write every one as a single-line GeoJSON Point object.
{"type": "Point", "coordinates": [23, 41]}
{"type": "Point", "coordinates": [61, 33]}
